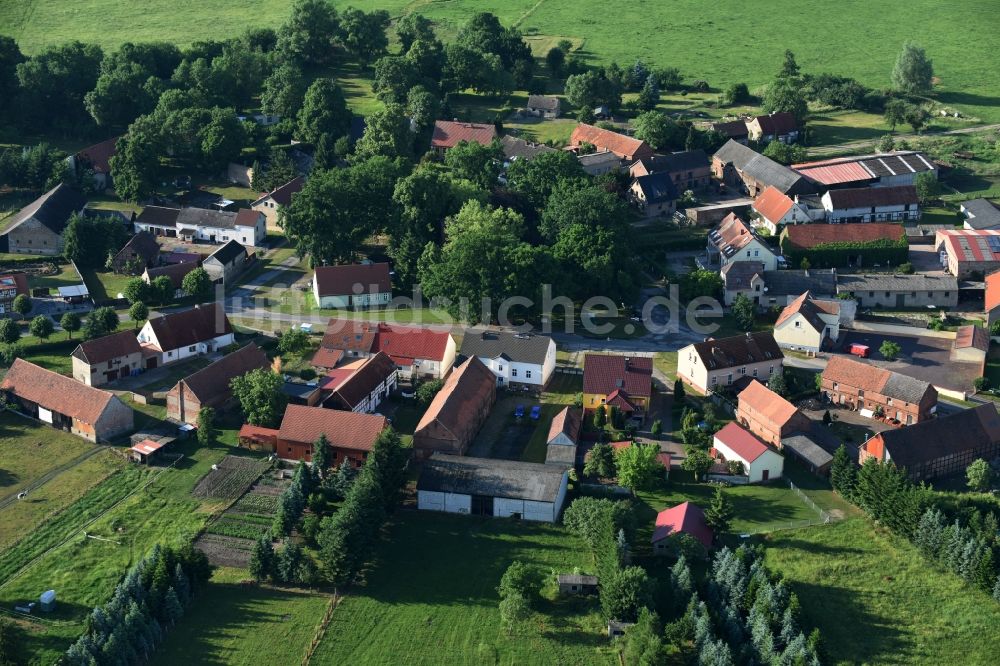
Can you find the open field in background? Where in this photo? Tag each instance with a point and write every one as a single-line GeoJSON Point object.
{"type": "Point", "coordinates": [717, 43]}
{"type": "Point", "coordinates": [234, 624]}
{"type": "Point", "coordinates": [431, 598]}
{"type": "Point", "coordinates": [877, 601]}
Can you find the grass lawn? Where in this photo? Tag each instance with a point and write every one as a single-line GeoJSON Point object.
{"type": "Point", "coordinates": [20, 518]}
{"type": "Point", "coordinates": [28, 451]}
{"type": "Point", "coordinates": [66, 276]}
{"type": "Point", "coordinates": [229, 623]}
{"type": "Point", "coordinates": [836, 127]}
{"type": "Point", "coordinates": [561, 391]}
{"type": "Point", "coordinates": [431, 598]}
{"type": "Point", "coordinates": [666, 362]}
{"type": "Point", "coordinates": [54, 353]}
{"type": "Point", "coordinates": [104, 285]}
{"type": "Point", "coordinates": [876, 601]}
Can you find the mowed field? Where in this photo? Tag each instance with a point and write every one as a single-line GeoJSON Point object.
{"type": "Point", "coordinates": [431, 599]}
{"type": "Point", "coordinates": [878, 602]}
{"type": "Point", "coordinates": [723, 42]}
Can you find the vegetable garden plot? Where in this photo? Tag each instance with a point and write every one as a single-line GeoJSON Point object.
{"type": "Point", "coordinates": [231, 477]}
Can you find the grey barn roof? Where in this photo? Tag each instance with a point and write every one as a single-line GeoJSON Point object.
{"type": "Point", "coordinates": [228, 252]}
{"type": "Point", "coordinates": [53, 209]}
{"type": "Point", "coordinates": [981, 214]}
{"type": "Point", "coordinates": [512, 479]}
{"type": "Point", "coordinates": [203, 217]}
{"type": "Point", "coordinates": [821, 282]}
{"type": "Point", "coordinates": [803, 446]}
{"type": "Point", "coordinates": [576, 579]}
{"type": "Point", "coordinates": [905, 387]}
{"type": "Point", "coordinates": [520, 348]}
{"type": "Point", "coordinates": [687, 160]}
{"type": "Point", "coordinates": [890, 282]}
{"type": "Point", "coordinates": [762, 169]}
{"type": "Point", "coordinates": [657, 187]}
{"type": "Point", "coordinates": [515, 148]}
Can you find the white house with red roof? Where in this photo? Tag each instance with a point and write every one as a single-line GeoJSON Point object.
{"type": "Point", "coordinates": [449, 133]}
{"type": "Point", "coordinates": [418, 352]}
{"type": "Point", "coordinates": [760, 462]}
{"type": "Point", "coordinates": [270, 204]}
{"type": "Point", "coordinates": [686, 518]}
{"type": "Point", "coordinates": [352, 285]}
{"type": "Point", "coordinates": [775, 208]}
{"type": "Point", "coordinates": [808, 324]}
{"type": "Point", "coordinates": [734, 240]}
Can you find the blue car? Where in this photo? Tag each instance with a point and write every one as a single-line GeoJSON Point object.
{"type": "Point", "coordinates": [519, 411]}
{"type": "Point", "coordinates": [536, 412]}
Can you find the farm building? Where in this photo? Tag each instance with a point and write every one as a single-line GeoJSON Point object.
{"type": "Point", "coordinates": [106, 359]}
{"type": "Point", "coordinates": [939, 447]}
{"type": "Point", "coordinates": [992, 298]}
{"type": "Point", "coordinates": [803, 446]}
{"type": "Point", "coordinates": [179, 335]}
{"type": "Point", "coordinates": [686, 518]}
{"type": "Point", "coordinates": [599, 163]}
{"type": "Point", "coordinates": [351, 435]}
{"type": "Point", "coordinates": [705, 365]}
{"type": "Point", "coordinates": [781, 126]}
{"type": "Point", "coordinates": [889, 290]}
{"type": "Point", "coordinates": [458, 411]}
{"type": "Point", "coordinates": [740, 166]}
{"type": "Point", "coordinates": [139, 253]}
{"type": "Point", "coordinates": [491, 487]}
{"type": "Point", "coordinates": [12, 285]}
{"type": "Point", "coordinates": [209, 387]}
{"type": "Point", "coordinates": [839, 245]}
{"type": "Point", "coordinates": [419, 353]}
{"type": "Point", "coordinates": [543, 106]}
{"type": "Point", "coordinates": [97, 160]}
{"type": "Point", "coordinates": [271, 204]}
{"type": "Point", "coordinates": [352, 285]}
{"type": "Point", "coordinates": [688, 170]}
{"type": "Point", "coordinates": [176, 273]}
{"type": "Point", "coordinates": [980, 214]}
{"type": "Point", "coordinates": [38, 227]}
{"type": "Point", "coordinates": [65, 403]}
{"type": "Point", "coordinates": [226, 263]}
{"type": "Point", "coordinates": [365, 388]}
{"type": "Point", "coordinates": [624, 147]}
{"type": "Point", "coordinates": [872, 204]}
{"type": "Point", "coordinates": [900, 167]}
{"type": "Point", "coordinates": [448, 134]}
{"type": "Point", "coordinates": [971, 345]}
{"type": "Point", "coordinates": [564, 434]}
{"type": "Point", "coordinates": [869, 389]}
{"type": "Point", "coordinates": [517, 359]}
{"type": "Point", "coordinates": [967, 254]}
{"type": "Point", "coordinates": [147, 451]}
{"type": "Point", "coordinates": [760, 463]}
{"type": "Point", "coordinates": [576, 584]}
{"type": "Point", "coordinates": [246, 226]}
{"type": "Point", "coordinates": [767, 415]}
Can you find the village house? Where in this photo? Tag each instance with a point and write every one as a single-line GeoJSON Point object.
{"type": "Point", "coordinates": [203, 329]}
{"type": "Point", "coordinates": [106, 359]}
{"type": "Point", "coordinates": [448, 134]}
{"type": "Point", "coordinates": [202, 224]}
{"type": "Point", "coordinates": [777, 209]}
{"type": "Point", "coordinates": [563, 437]}
{"type": "Point", "coordinates": [139, 253]}
{"type": "Point", "coordinates": [718, 363]}
{"type": "Point", "coordinates": [623, 382]}
{"type": "Point", "coordinates": [781, 126]}
{"type": "Point", "coordinates": [969, 254]}
{"type": "Point", "coordinates": [808, 324]}
{"type": "Point", "coordinates": [870, 390]}
{"type": "Point", "coordinates": [784, 286]}
{"type": "Point", "coordinates": [543, 106]}
{"type": "Point", "coordinates": [38, 227]}
{"type": "Point", "coordinates": [270, 204]}
{"type": "Point", "coordinates": [457, 412]}
{"type": "Point", "coordinates": [769, 416]}
{"type": "Point", "coordinates": [872, 204]}
{"type": "Point", "coordinates": [350, 435]}
{"type": "Point", "coordinates": [654, 194]}
{"type": "Point", "coordinates": [992, 298]}
{"type": "Point", "coordinates": [63, 403]}
{"type": "Point", "coordinates": [176, 273]}
{"type": "Point", "coordinates": [210, 386]}
{"type": "Point", "coordinates": [366, 387]}
{"type": "Point", "coordinates": [97, 160]}
{"type": "Point", "coordinates": [760, 463]}
{"type": "Point", "coordinates": [735, 240]}
{"type": "Point", "coordinates": [890, 290]}
{"type": "Point", "coordinates": [517, 359]}
{"type": "Point", "coordinates": [737, 165]}
{"type": "Point", "coordinates": [227, 263]}
{"type": "Point", "coordinates": [624, 147]}
{"type": "Point", "coordinates": [980, 214]}
{"type": "Point", "coordinates": [599, 163]}
{"type": "Point", "coordinates": [515, 149]}
{"type": "Point", "coordinates": [971, 345]}
{"type": "Point", "coordinates": [419, 352]}
{"type": "Point", "coordinates": [943, 446]}
{"type": "Point", "coordinates": [899, 167]}
{"type": "Point", "coordinates": [870, 239]}
{"type": "Point", "coordinates": [685, 518]}
{"type": "Point", "coordinates": [492, 487]}
{"type": "Point", "coordinates": [689, 170]}
{"type": "Point", "coordinates": [352, 286]}
{"type": "Point", "coordinates": [12, 285]}
{"type": "Point", "coordinates": [734, 130]}
{"type": "Point", "coordinates": [742, 277]}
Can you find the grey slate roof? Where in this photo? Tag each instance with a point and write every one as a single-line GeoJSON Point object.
{"type": "Point", "coordinates": [53, 209]}
{"type": "Point", "coordinates": [512, 479]}
{"type": "Point", "coordinates": [804, 446]}
{"type": "Point", "coordinates": [228, 252]}
{"type": "Point", "coordinates": [968, 429]}
{"type": "Point", "coordinates": [905, 388]}
{"type": "Point", "coordinates": [762, 169]}
{"type": "Point", "coordinates": [516, 347]}
{"type": "Point", "coordinates": [683, 161]}
{"type": "Point", "coordinates": [981, 214]}
{"type": "Point", "coordinates": [821, 282]}
{"type": "Point", "coordinates": [515, 148]}
{"type": "Point", "coordinates": [576, 579]}
{"type": "Point", "coordinates": [546, 102]}
{"type": "Point", "coordinates": [893, 283]}
{"type": "Point", "coordinates": [204, 217]}
{"type": "Point", "coordinates": [657, 187]}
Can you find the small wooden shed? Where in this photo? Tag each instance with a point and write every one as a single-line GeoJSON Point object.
{"type": "Point", "coordinates": [577, 584]}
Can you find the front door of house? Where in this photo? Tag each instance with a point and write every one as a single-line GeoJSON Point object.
{"type": "Point", "coordinates": [765, 475]}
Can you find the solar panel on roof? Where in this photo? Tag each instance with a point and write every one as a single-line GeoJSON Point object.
{"type": "Point", "coordinates": [994, 242]}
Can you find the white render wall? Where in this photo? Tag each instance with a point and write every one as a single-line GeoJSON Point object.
{"type": "Point", "coordinates": [448, 502]}
{"type": "Point", "coordinates": [770, 460]}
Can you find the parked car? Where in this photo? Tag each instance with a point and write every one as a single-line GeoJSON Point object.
{"type": "Point", "coordinates": [519, 412]}
{"type": "Point", "coordinates": [536, 412]}
{"type": "Point", "coordinates": [856, 349]}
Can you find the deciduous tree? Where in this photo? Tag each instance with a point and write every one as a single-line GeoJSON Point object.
{"type": "Point", "coordinates": [637, 465]}
{"type": "Point", "coordinates": [979, 475]}
{"type": "Point", "coordinates": [260, 397]}
{"type": "Point", "coordinates": [42, 327]}
{"type": "Point", "coordinates": [324, 111]}
{"type": "Point", "coordinates": [197, 284]}
{"type": "Point", "coordinates": [70, 322]}
{"type": "Point", "coordinates": [913, 72]}
{"type": "Point", "coordinates": [208, 432]}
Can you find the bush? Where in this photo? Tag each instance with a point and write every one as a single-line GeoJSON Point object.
{"type": "Point", "coordinates": [307, 374]}
{"type": "Point", "coordinates": [906, 268]}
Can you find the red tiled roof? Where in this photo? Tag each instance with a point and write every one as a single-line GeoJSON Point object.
{"type": "Point", "coordinates": [734, 129]}
{"type": "Point", "coordinates": [246, 217]}
{"type": "Point", "coordinates": [56, 392]}
{"type": "Point", "coordinates": [845, 370]}
{"type": "Point", "coordinates": [344, 430]}
{"type": "Point", "coordinates": [603, 373]}
{"type": "Point", "coordinates": [992, 290]}
{"type": "Point", "coordinates": [448, 133]}
{"type": "Point", "coordinates": [283, 195]}
{"type": "Point", "coordinates": [567, 422]}
{"type": "Point", "coordinates": [258, 433]}
{"type": "Point", "coordinates": [740, 441]}
{"type": "Point", "coordinates": [810, 309]}
{"type": "Point", "coordinates": [100, 350]}
{"type": "Point", "coordinates": [734, 232]}
{"type": "Point", "coordinates": [359, 385]}
{"type": "Point", "coordinates": [327, 358]}
{"type": "Point", "coordinates": [811, 235]}
{"type": "Point", "coordinates": [767, 403]}
{"type": "Point", "coordinates": [148, 446]}
{"type": "Point", "coordinates": [619, 144]}
{"type": "Point", "coordinates": [619, 398]}
{"type": "Point", "coordinates": [176, 272]}
{"type": "Point", "coordinates": [969, 245]}
{"type": "Point", "coordinates": [349, 335]}
{"type": "Point", "coordinates": [778, 124]}
{"type": "Point", "coordinates": [406, 343]}
{"type": "Point", "coordinates": [834, 174]}
{"type": "Point", "coordinates": [460, 400]}
{"type": "Point", "coordinates": [687, 518]}
{"type": "Point", "coordinates": [188, 327]}
{"type": "Point", "coordinates": [773, 204]}
{"type": "Point", "coordinates": [353, 279]}
{"type": "Point", "coordinates": [99, 155]}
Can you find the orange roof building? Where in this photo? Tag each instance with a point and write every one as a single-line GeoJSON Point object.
{"type": "Point", "coordinates": [769, 416]}
{"type": "Point", "coordinates": [458, 411]}
{"type": "Point", "coordinates": [625, 147]}
{"type": "Point", "coordinates": [448, 134]}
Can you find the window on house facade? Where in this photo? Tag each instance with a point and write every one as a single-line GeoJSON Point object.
{"type": "Point", "coordinates": [861, 393]}
{"type": "Point", "coordinates": [770, 370]}
{"type": "Point", "coordinates": [527, 374]}
{"type": "Point", "coordinates": [715, 380]}
{"type": "Point", "coordinates": [755, 372]}
{"type": "Point", "coordinates": [192, 348]}
{"type": "Point", "coordinates": [743, 371]}
{"type": "Point", "coordinates": [798, 324]}
{"type": "Point", "coordinates": [729, 378]}
{"type": "Point", "coordinates": [513, 372]}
